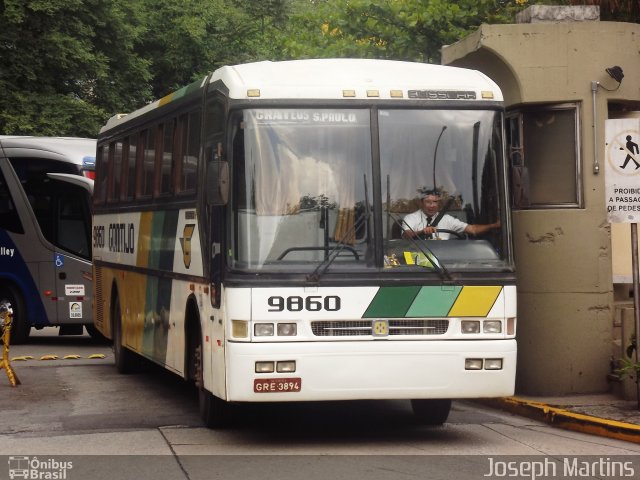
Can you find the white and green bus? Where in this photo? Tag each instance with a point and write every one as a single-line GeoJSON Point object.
{"type": "Point", "coordinates": [248, 236]}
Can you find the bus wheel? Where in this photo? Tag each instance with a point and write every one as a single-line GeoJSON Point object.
{"type": "Point", "coordinates": [215, 412]}
{"type": "Point", "coordinates": [20, 328]}
{"type": "Point", "coordinates": [432, 411]}
{"type": "Point", "coordinates": [126, 361]}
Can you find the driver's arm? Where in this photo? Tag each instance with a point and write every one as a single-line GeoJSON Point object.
{"type": "Point", "coordinates": [479, 229]}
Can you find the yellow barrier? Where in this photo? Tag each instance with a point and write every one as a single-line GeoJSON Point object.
{"type": "Point", "coordinates": [6, 317]}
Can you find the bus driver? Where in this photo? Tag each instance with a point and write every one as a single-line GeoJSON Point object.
{"type": "Point", "coordinates": [420, 222]}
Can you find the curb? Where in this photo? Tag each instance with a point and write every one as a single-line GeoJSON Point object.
{"type": "Point", "coordinates": [563, 418]}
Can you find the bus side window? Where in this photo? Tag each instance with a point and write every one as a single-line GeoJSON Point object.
{"type": "Point", "coordinates": [9, 219]}
{"type": "Point", "coordinates": [73, 220]}
{"type": "Point", "coordinates": [148, 163]}
{"type": "Point", "coordinates": [102, 166]}
{"type": "Point", "coordinates": [166, 158]}
{"type": "Point", "coordinates": [188, 164]}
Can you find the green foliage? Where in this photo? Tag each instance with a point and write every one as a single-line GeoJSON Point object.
{"type": "Point", "coordinates": [627, 367]}
{"type": "Point", "coordinates": [67, 65]}
{"type": "Point", "coordinates": [188, 39]}
{"type": "Point", "coordinates": [395, 29]}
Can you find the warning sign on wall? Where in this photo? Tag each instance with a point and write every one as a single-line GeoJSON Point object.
{"type": "Point", "coordinates": [622, 170]}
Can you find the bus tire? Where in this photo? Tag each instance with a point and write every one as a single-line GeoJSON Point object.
{"type": "Point", "coordinates": [126, 361]}
{"type": "Point", "coordinates": [215, 412]}
{"type": "Point", "coordinates": [431, 411]}
{"type": "Point", "coordinates": [20, 327]}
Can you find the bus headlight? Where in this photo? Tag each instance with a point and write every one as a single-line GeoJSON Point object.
{"type": "Point", "coordinates": [264, 367]}
{"type": "Point", "coordinates": [286, 367]}
{"type": "Point", "coordinates": [263, 329]}
{"type": "Point", "coordinates": [473, 364]}
{"type": "Point", "coordinates": [287, 329]}
{"type": "Point", "coordinates": [470, 326]}
{"type": "Point", "coordinates": [492, 326]}
{"type": "Point", "coordinates": [493, 364]}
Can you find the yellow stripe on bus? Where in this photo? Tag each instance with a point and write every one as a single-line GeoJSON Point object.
{"type": "Point", "coordinates": [475, 301]}
{"type": "Point", "coordinates": [144, 239]}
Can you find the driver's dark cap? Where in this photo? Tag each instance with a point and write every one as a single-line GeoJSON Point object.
{"type": "Point", "coordinates": [435, 192]}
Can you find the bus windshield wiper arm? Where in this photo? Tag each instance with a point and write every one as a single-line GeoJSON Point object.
{"type": "Point", "coordinates": [322, 267]}
{"type": "Point", "coordinates": [328, 259]}
{"type": "Point", "coordinates": [433, 259]}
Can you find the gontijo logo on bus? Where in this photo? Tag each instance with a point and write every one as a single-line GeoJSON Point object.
{"type": "Point", "coordinates": [120, 237]}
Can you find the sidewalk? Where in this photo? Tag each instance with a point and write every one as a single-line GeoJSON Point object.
{"type": "Point", "coordinates": [601, 414]}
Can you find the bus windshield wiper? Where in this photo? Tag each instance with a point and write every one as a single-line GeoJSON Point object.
{"type": "Point", "coordinates": [322, 267]}
{"type": "Point", "coordinates": [422, 246]}
{"type": "Point", "coordinates": [328, 259]}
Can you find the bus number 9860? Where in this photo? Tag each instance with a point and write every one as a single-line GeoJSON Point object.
{"type": "Point", "coordinates": [312, 303]}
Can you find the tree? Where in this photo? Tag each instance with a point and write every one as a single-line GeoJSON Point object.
{"type": "Point", "coordinates": [187, 39]}
{"type": "Point", "coordinates": [393, 29]}
{"type": "Point", "coordinates": [68, 65]}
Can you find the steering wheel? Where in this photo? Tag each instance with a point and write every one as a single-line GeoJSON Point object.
{"type": "Point", "coordinates": [458, 235]}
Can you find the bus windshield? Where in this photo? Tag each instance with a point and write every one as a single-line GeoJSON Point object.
{"type": "Point", "coordinates": [304, 194]}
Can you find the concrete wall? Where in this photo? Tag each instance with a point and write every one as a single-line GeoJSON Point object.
{"type": "Point", "coordinates": [563, 256]}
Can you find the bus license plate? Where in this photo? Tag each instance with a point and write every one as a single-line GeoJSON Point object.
{"type": "Point", "coordinates": [277, 385]}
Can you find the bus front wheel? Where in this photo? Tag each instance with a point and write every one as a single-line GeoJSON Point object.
{"type": "Point", "coordinates": [431, 411]}
{"type": "Point", "coordinates": [20, 328]}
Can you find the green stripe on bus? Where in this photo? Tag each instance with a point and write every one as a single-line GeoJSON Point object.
{"type": "Point", "coordinates": [434, 301]}
{"type": "Point", "coordinates": [391, 302]}
{"type": "Point", "coordinates": [155, 333]}
{"type": "Point", "coordinates": [163, 237]}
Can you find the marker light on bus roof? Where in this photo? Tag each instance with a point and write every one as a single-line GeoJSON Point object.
{"type": "Point", "coordinates": [373, 93]}
{"type": "Point", "coordinates": [348, 93]}
{"type": "Point", "coordinates": [253, 92]}
{"type": "Point", "coordinates": [487, 95]}
{"type": "Point", "coordinates": [396, 94]}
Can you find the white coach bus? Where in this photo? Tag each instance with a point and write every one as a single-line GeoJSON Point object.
{"type": "Point", "coordinates": [250, 235]}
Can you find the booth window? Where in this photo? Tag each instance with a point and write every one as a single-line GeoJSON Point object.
{"type": "Point", "coordinates": [544, 153]}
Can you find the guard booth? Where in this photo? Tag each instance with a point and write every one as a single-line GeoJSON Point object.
{"type": "Point", "coordinates": [563, 73]}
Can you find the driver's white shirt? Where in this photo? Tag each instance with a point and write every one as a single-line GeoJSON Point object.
{"type": "Point", "coordinates": [417, 220]}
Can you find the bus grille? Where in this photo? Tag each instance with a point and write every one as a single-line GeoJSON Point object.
{"type": "Point", "coordinates": [401, 326]}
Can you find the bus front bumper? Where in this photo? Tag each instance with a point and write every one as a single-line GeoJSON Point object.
{"type": "Point", "coordinates": [371, 370]}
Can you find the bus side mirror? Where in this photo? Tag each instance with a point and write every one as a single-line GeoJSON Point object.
{"type": "Point", "coordinates": [217, 183]}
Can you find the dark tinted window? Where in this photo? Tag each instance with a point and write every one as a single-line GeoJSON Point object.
{"type": "Point", "coordinates": [9, 219]}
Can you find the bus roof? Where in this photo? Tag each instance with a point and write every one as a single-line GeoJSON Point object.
{"type": "Point", "coordinates": [81, 151]}
{"type": "Point", "coordinates": [338, 78]}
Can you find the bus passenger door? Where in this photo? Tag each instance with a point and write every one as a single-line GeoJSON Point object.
{"type": "Point", "coordinates": [72, 258]}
